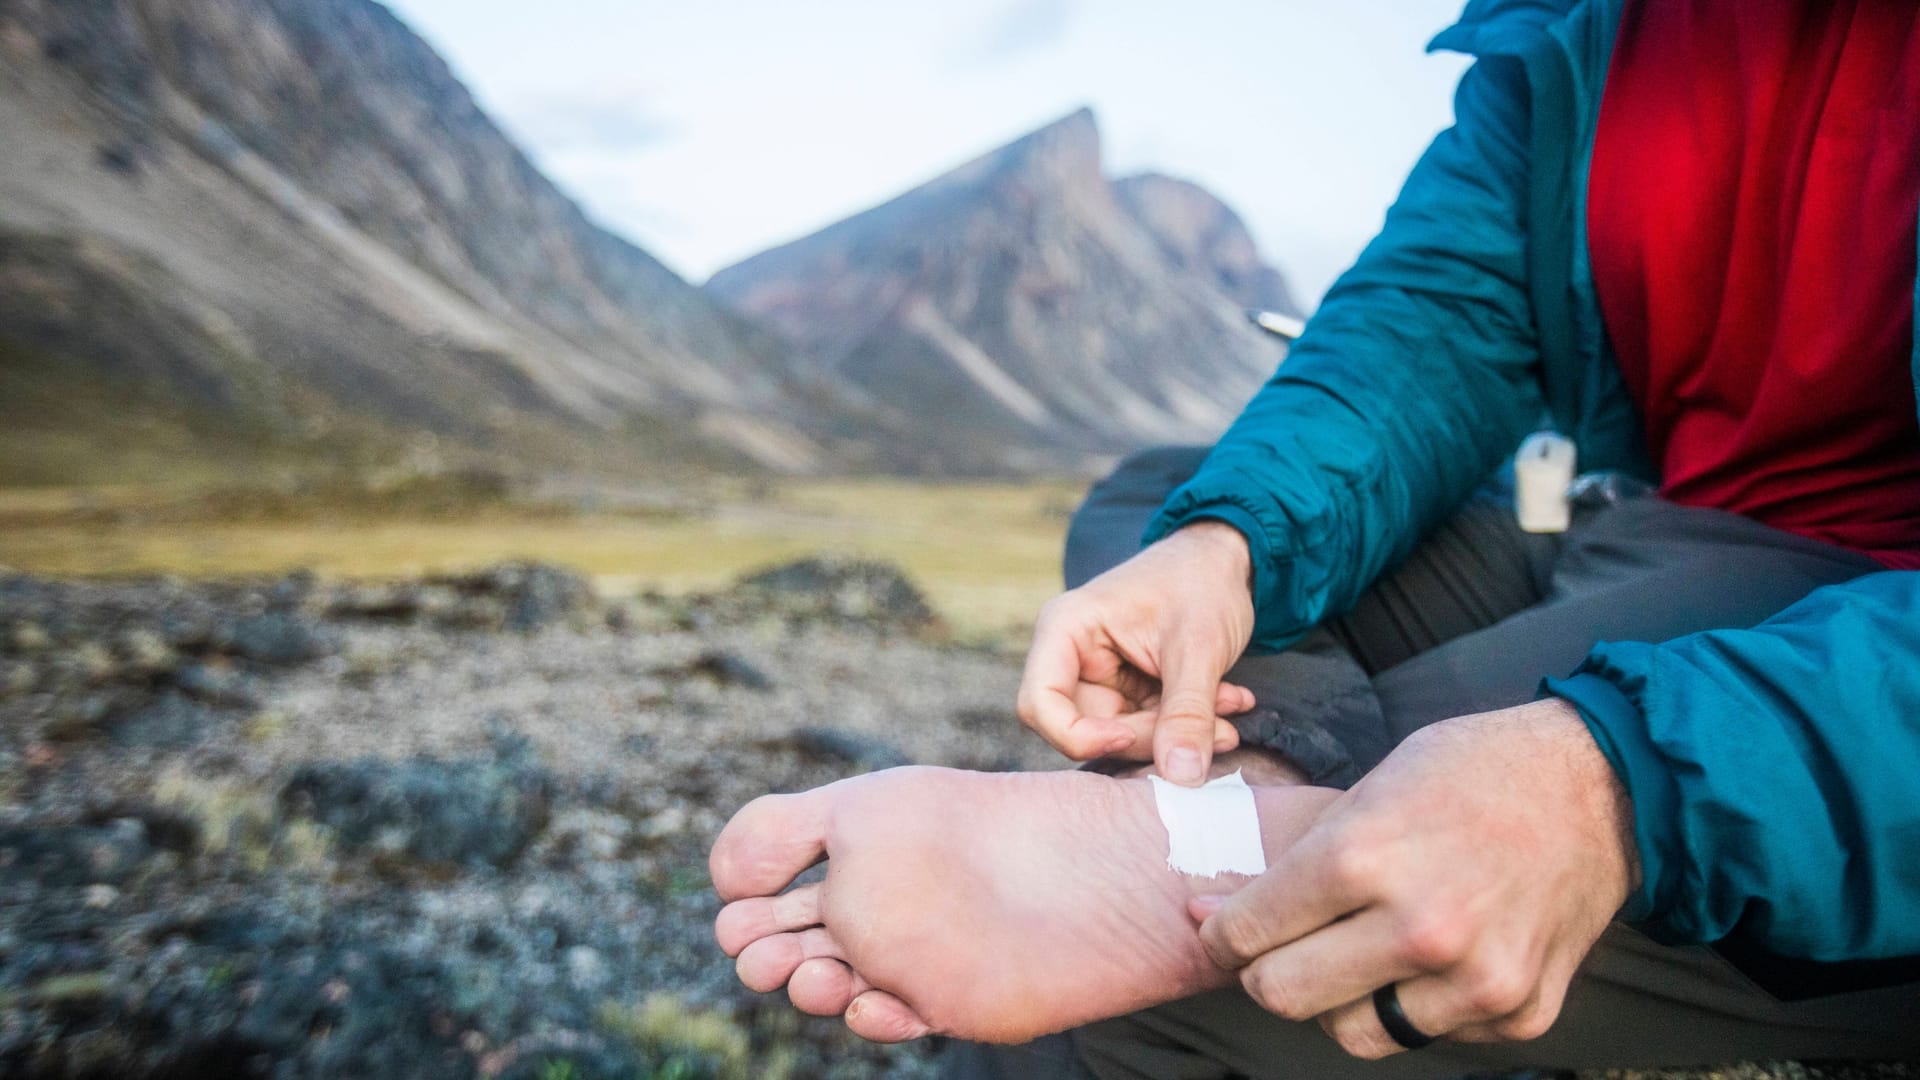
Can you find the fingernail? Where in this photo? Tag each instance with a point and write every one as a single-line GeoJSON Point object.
{"type": "Point", "coordinates": [1203, 907]}
{"type": "Point", "coordinates": [1183, 766]}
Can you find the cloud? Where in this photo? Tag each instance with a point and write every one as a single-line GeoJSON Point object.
{"type": "Point", "coordinates": [1019, 29]}
{"type": "Point", "coordinates": [610, 123]}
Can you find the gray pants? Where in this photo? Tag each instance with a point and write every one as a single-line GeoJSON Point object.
{"type": "Point", "coordinates": [1473, 621]}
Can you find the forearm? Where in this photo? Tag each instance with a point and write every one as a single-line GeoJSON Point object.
{"type": "Point", "coordinates": [1416, 376]}
{"type": "Point", "coordinates": [1772, 771]}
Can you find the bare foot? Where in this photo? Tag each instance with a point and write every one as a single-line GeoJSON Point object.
{"type": "Point", "coordinates": [990, 906]}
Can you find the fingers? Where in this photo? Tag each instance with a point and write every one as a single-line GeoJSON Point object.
{"type": "Point", "coordinates": [1329, 967]}
{"type": "Point", "coordinates": [1537, 1015]}
{"type": "Point", "coordinates": [1357, 1028]}
{"type": "Point", "coordinates": [1306, 888]}
{"type": "Point", "coordinates": [1436, 1005]}
{"type": "Point", "coordinates": [1475, 1001]}
{"type": "Point", "coordinates": [1046, 701]}
{"type": "Point", "coordinates": [1103, 701]}
{"type": "Point", "coordinates": [1183, 737]}
{"type": "Point", "coordinates": [1143, 724]}
{"type": "Point", "coordinates": [880, 1017]}
{"type": "Point", "coordinates": [1232, 700]}
{"type": "Point", "coordinates": [1131, 691]}
{"type": "Point", "coordinates": [744, 922]}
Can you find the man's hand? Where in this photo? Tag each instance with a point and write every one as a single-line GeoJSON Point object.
{"type": "Point", "coordinates": [1474, 868]}
{"type": "Point", "coordinates": [1129, 664]}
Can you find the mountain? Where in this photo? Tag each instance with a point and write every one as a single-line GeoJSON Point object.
{"type": "Point", "coordinates": [1023, 312]}
{"type": "Point", "coordinates": [1197, 232]}
{"type": "Point", "coordinates": [285, 223]}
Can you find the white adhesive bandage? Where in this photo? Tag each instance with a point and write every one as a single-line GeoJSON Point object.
{"type": "Point", "coordinates": [1211, 830]}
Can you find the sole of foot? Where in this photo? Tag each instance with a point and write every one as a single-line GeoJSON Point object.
{"type": "Point", "coordinates": [989, 906]}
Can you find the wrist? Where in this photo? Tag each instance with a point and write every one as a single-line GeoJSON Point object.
{"type": "Point", "coordinates": [1597, 788]}
{"type": "Point", "coordinates": [1223, 545]}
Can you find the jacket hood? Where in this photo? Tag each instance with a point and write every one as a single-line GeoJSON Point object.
{"type": "Point", "coordinates": [1490, 26]}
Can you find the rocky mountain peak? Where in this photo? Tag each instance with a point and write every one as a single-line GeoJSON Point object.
{"type": "Point", "coordinates": [1065, 155]}
{"type": "Point", "coordinates": [1013, 314]}
{"type": "Point", "coordinates": [1197, 232]}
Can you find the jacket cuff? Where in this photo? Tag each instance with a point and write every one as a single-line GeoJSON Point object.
{"type": "Point", "coordinates": [1270, 632]}
{"type": "Point", "coordinates": [1620, 728]}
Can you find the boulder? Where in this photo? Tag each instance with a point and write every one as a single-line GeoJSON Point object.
{"type": "Point", "coordinates": [277, 639]}
{"type": "Point", "coordinates": [470, 812]}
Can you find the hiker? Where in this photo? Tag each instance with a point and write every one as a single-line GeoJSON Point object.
{"type": "Point", "coordinates": [1643, 792]}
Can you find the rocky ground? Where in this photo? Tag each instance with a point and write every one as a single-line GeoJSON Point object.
{"type": "Point", "coordinates": [450, 827]}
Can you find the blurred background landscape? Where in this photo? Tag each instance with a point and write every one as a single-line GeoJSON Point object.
{"type": "Point", "coordinates": [404, 571]}
{"type": "Point", "coordinates": [434, 495]}
{"type": "Point", "coordinates": [273, 260]}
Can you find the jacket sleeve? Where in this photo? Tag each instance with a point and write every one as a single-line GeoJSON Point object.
{"type": "Point", "coordinates": [1416, 377]}
{"type": "Point", "coordinates": [1774, 773]}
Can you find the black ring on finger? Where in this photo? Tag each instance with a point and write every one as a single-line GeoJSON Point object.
{"type": "Point", "coordinates": [1386, 1005]}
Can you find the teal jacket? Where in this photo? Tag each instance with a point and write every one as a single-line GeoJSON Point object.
{"type": "Point", "coordinates": [1775, 771]}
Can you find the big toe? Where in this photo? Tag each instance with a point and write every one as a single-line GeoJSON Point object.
{"type": "Point", "coordinates": [768, 963]}
{"type": "Point", "coordinates": [768, 843]}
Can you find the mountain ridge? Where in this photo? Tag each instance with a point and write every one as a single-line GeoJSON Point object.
{"type": "Point", "coordinates": [310, 174]}
{"type": "Point", "coordinates": [287, 225]}
{"type": "Point", "coordinates": [1021, 292]}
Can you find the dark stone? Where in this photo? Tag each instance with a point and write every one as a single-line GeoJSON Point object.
{"type": "Point", "coordinates": [353, 1012]}
{"type": "Point", "coordinates": [852, 590]}
{"type": "Point", "coordinates": [166, 828]}
{"type": "Point", "coordinates": [463, 812]}
{"type": "Point", "coordinates": [547, 595]}
{"type": "Point", "coordinates": [376, 602]}
{"type": "Point", "coordinates": [78, 717]}
{"type": "Point", "coordinates": [277, 638]}
{"type": "Point", "coordinates": [73, 854]}
{"type": "Point", "coordinates": [729, 669]}
{"type": "Point", "coordinates": [172, 721]}
{"type": "Point", "coordinates": [534, 595]}
{"type": "Point", "coordinates": [292, 591]}
{"type": "Point", "coordinates": [851, 747]}
{"type": "Point", "coordinates": [217, 685]}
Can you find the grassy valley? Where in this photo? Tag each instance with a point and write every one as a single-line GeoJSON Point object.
{"type": "Point", "coordinates": [987, 554]}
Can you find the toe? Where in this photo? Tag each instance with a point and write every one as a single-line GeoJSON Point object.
{"type": "Point", "coordinates": [821, 987]}
{"type": "Point", "coordinates": [768, 843]}
{"type": "Point", "coordinates": [768, 963]}
{"type": "Point", "coordinates": [744, 922]}
{"type": "Point", "coordinates": [880, 1017]}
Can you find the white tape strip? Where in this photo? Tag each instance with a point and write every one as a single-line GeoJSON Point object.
{"type": "Point", "coordinates": [1211, 830]}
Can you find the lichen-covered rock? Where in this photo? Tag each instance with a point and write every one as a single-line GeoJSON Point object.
{"type": "Point", "coordinates": [276, 638]}
{"type": "Point", "coordinates": [534, 595]}
{"type": "Point", "coordinates": [858, 592]}
{"type": "Point", "coordinates": [170, 721]}
{"type": "Point", "coordinates": [728, 669]}
{"type": "Point", "coordinates": [480, 811]}
{"type": "Point", "coordinates": [518, 596]}
{"type": "Point", "coordinates": [74, 854]}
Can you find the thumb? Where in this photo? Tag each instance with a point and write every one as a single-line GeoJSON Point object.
{"type": "Point", "coordinates": [1183, 737]}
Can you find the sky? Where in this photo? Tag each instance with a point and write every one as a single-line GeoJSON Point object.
{"type": "Point", "coordinates": [706, 132]}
